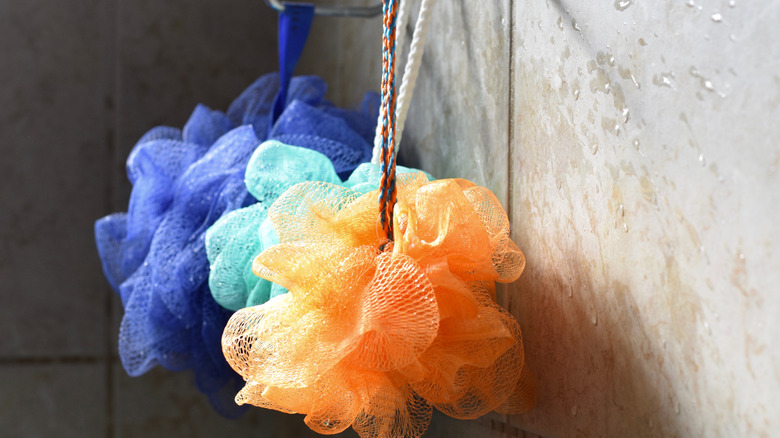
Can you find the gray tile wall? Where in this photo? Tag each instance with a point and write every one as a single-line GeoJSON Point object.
{"type": "Point", "coordinates": [81, 82]}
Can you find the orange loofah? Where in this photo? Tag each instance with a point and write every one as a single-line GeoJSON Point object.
{"type": "Point", "coordinates": [372, 339]}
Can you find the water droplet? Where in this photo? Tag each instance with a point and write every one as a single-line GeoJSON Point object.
{"type": "Point", "coordinates": [707, 328]}
{"type": "Point", "coordinates": [622, 5]}
{"type": "Point", "coordinates": [575, 26]}
{"type": "Point", "coordinates": [625, 115]}
{"type": "Point", "coordinates": [571, 293]}
{"type": "Point", "coordinates": [625, 227]}
{"type": "Point", "coordinates": [692, 4]}
{"type": "Point", "coordinates": [636, 83]}
{"type": "Point", "coordinates": [594, 319]}
{"type": "Point", "coordinates": [574, 411]}
{"type": "Point", "coordinates": [594, 148]}
{"type": "Point", "coordinates": [556, 82]}
{"type": "Point", "coordinates": [742, 256]}
{"type": "Point", "coordinates": [717, 17]}
{"type": "Point", "coordinates": [732, 3]}
{"type": "Point", "coordinates": [560, 23]}
{"type": "Point", "coordinates": [636, 143]}
{"type": "Point", "coordinates": [576, 94]}
{"type": "Point", "coordinates": [663, 80]}
{"type": "Point", "coordinates": [621, 212]}
{"type": "Point", "coordinates": [702, 161]}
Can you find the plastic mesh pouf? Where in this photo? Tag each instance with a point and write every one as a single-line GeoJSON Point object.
{"type": "Point", "coordinates": [184, 180]}
{"type": "Point", "coordinates": [373, 339]}
{"type": "Point", "coordinates": [237, 238]}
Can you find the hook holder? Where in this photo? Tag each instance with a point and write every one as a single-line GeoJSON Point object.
{"type": "Point", "coordinates": [335, 11]}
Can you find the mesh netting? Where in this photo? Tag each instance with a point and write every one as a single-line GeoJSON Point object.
{"type": "Point", "coordinates": [234, 241]}
{"type": "Point", "coordinates": [183, 181]}
{"type": "Point", "coordinates": [373, 339]}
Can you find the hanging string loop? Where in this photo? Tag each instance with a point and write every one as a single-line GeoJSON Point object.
{"type": "Point", "coordinates": [387, 189]}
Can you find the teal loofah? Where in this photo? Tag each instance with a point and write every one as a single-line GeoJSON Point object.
{"type": "Point", "coordinates": [234, 241]}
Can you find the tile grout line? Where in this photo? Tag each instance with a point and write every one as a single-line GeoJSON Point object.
{"type": "Point", "coordinates": [109, 135]}
{"type": "Point", "coordinates": [113, 92]}
{"type": "Point", "coordinates": [510, 137]}
{"type": "Point", "coordinates": [510, 113]}
{"type": "Point", "coordinates": [509, 429]}
{"type": "Point", "coordinates": [50, 360]}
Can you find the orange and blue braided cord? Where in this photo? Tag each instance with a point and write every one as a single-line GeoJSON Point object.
{"type": "Point", "coordinates": [387, 189]}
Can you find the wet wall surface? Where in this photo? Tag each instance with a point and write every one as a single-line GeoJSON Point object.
{"type": "Point", "coordinates": [634, 146]}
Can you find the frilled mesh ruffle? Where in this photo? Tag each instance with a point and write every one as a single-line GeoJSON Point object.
{"type": "Point", "coordinates": [237, 238]}
{"type": "Point", "coordinates": [183, 181]}
{"type": "Point", "coordinates": [373, 339]}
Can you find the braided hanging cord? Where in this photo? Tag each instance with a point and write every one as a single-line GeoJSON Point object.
{"type": "Point", "coordinates": [387, 189]}
{"type": "Point", "coordinates": [402, 18]}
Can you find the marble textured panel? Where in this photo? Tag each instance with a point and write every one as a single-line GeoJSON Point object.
{"type": "Point", "coordinates": [346, 52]}
{"type": "Point", "coordinates": [53, 177]}
{"type": "Point", "coordinates": [645, 193]}
{"type": "Point", "coordinates": [62, 400]}
{"type": "Point", "coordinates": [165, 404]}
{"type": "Point", "coordinates": [458, 119]}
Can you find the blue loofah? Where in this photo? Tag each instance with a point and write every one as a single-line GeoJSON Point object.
{"type": "Point", "coordinates": [154, 255]}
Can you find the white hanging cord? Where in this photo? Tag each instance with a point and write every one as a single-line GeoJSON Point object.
{"type": "Point", "coordinates": [411, 71]}
{"type": "Point", "coordinates": [400, 30]}
{"type": "Point", "coordinates": [412, 67]}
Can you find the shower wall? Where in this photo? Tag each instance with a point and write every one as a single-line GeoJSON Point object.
{"type": "Point", "coordinates": [634, 145]}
